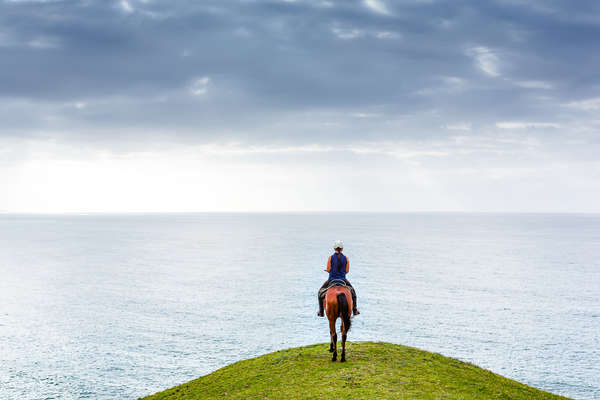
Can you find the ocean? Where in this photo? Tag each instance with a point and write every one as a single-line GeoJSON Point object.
{"type": "Point", "coordinates": [121, 306]}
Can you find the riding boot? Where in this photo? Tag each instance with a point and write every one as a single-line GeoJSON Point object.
{"type": "Point", "coordinates": [354, 309]}
{"type": "Point", "coordinates": [321, 313]}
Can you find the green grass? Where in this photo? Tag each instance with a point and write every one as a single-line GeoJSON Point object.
{"type": "Point", "coordinates": [372, 371]}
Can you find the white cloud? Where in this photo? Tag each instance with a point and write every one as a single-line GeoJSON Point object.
{"type": "Point", "coordinates": [40, 42]}
{"type": "Point", "coordinates": [347, 33]}
{"type": "Point", "coordinates": [525, 125]}
{"type": "Point", "coordinates": [44, 42]}
{"type": "Point", "coordinates": [237, 149]}
{"type": "Point", "coordinates": [585, 105]}
{"type": "Point", "coordinates": [446, 23]}
{"type": "Point", "coordinates": [126, 6]}
{"type": "Point", "coordinates": [454, 83]}
{"type": "Point", "coordinates": [325, 4]}
{"type": "Point", "coordinates": [56, 177]}
{"type": "Point", "coordinates": [200, 86]}
{"type": "Point", "coordinates": [356, 33]}
{"type": "Point", "coordinates": [450, 84]}
{"type": "Point", "coordinates": [418, 154]}
{"type": "Point", "coordinates": [243, 32]}
{"type": "Point", "coordinates": [461, 126]}
{"type": "Point", "coordinates": [534, 84]}
{"type": "Point", "coordinates": [452, 80]}
{"type": "Point", "coordinates": [387, 35]}
{"type": "Point", "coordinates": [487, 60]}
{"type": "Point", "coordinates": [366, 115]}
{"type": "Point", "coordinates": [377, 6]}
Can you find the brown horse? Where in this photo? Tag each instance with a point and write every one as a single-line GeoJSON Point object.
{"type": "Point", "coordinates": [338, 304]}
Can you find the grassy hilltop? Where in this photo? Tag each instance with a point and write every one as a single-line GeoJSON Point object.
{"type": "Point", "coordinates": [373, 371]}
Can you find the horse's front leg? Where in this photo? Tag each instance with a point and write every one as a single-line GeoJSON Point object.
{"type": "Point", "coordinates": [333, 335]}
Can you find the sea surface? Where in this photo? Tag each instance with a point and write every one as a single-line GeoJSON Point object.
{"type": "Point", "coordinates": [122, 306]}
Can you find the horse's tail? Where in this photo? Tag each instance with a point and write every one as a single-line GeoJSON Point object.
{"type": "Point", "coordinates": [344, 310]}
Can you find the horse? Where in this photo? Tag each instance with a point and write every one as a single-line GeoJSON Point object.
{"type": "Point", "coordinates": [338, 304]}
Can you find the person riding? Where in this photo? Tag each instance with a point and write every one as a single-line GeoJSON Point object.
{"type": "Point", "coordinates": [338, 265]}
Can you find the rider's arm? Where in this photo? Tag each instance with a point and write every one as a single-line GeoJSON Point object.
{"type": "Point", "coordinates": [347, 265]}
{"type": "Point", "coordinates": [329, 264]}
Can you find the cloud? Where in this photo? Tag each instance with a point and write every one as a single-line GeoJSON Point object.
{"type": "Point", "coordinates": [44, 43]}
{"type": "Point", "coordinates": [126, 6]}
{"type": "Point", "coordinates": [486, 60]}
{"type": "Point", "coordinates": [461, 126]}
{"type": "Point", "coordinates": [200, 86]}
{"type": "Point", "coordinates": [387, 35]}
{"type": "Point", "coordinates": [277, 66]}
{"type": "Point", "coordinates": [347, 33]}
{"type": "Point", "coordinates": [366, 115]}
{"type": "Point", "coordinates": [79, 105]}
{"type": "Point", "coordinates": [377, 6]}
{"type": "Point", "coordinates": [38, 42]}
{"type": "Point", "coordinates": [585, 105]}
{"type": "Point", "coordinates": [295, 73]}
{"type": "Point", "coordinates": [354, 33]}
{"type": "Point", "coordinates": [534, 84]}
{"type": "Point", "coordinates": [525, 125]}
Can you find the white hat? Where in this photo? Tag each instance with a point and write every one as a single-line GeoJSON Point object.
{"type": "Point", "coordinates": [338, 244]}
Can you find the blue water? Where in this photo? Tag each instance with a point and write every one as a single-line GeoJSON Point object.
{"type": "Point", "coordinates": [121, 306]}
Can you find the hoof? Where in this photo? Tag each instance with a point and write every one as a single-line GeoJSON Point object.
{"type": "Point", "coordinates": [342, 359]}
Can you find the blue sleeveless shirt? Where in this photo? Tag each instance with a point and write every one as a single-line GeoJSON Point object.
{"type": "Point", "coordinates": [338, 267]}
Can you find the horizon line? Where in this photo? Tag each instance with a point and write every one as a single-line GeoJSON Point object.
{"type": "Point", "coordinates": [83, 213]}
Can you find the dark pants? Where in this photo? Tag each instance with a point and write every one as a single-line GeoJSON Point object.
{"type": "Point", "coordinates": [327, 282]}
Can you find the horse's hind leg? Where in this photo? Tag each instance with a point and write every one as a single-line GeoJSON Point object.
{"type": "Point", "coordinates": [333, 345]}
{"type": "Point", "coordinates": [331, 336]}
{"type": "Point", "coordinates": [343, 359]}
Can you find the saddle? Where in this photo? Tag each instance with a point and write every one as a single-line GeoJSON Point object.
{"type": "Point", "coordinates": [334, 282]}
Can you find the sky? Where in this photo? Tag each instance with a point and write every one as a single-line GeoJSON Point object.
{"type": "Point", "coordinates": [306, 105]}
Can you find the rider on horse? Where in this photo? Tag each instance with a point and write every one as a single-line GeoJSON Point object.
{"type": "Point", "coordinates": [338, 265]}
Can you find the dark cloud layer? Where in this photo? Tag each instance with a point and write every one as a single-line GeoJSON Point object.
{"type": "Point", "coordinates": [302, 71]}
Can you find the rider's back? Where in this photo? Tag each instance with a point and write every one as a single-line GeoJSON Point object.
{"type": "Point", "coordinates": [338, 266]}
